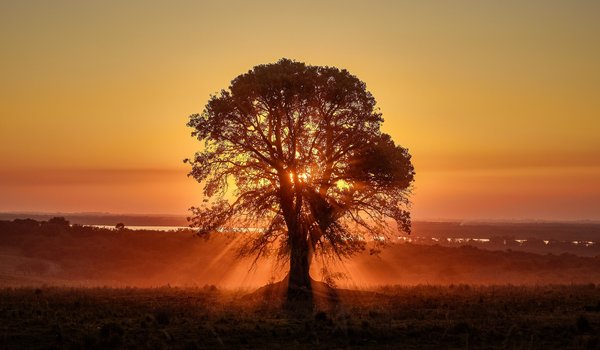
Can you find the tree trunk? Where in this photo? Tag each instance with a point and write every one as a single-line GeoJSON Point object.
{"type": "Point", "coordinates": [299, 286]}
{"type": "Point", "coordinates": [299, 282]}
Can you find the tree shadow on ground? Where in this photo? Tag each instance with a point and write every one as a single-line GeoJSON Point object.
{"type": "Point", "coordinates": [296, 301]}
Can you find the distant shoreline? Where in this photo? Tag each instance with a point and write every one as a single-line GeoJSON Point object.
{"type": "Point", "coordinates": [111, 219]}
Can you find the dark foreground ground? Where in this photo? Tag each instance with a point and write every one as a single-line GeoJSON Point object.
{"type": "Point", "coordinates": [458, 317]}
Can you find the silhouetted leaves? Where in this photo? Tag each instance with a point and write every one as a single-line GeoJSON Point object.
{"type": "Point", "coordinates": [297, 150]}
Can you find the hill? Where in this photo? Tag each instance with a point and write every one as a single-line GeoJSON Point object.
{"type": "Point", "coordinates": [37, 253]}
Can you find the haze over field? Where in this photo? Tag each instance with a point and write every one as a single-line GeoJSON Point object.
{"type": "Point", "coordinates": [34, 255]}
{"type": "Point", "coordinates": [497, 102]}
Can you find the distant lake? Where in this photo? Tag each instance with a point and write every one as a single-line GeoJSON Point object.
{"type": "Point", "coordinates": [141, 228]}
{"type": "Point", "coordinates": [411, 239]}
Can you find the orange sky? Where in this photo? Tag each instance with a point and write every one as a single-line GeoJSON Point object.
{"type": "Point", "coordinates": [499, 102]}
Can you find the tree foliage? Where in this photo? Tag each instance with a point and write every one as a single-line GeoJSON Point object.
{"type": "Point", "coordinates": [294, 154]}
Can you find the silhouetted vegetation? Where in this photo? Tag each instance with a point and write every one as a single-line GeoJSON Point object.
{"type": "Point", "coordinates": [440, 310]}
{"type": "Point", "coordinates": [105, 218]}
{"type": "Point", "coordinates": [303, 148]}
{"type": "Point", "coordinates": [432, 317]}
{"type": "Point", "coordinates": [38, 253]}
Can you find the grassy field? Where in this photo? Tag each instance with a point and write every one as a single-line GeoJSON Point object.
{"type": "Point", "coordinates": [455, 316]}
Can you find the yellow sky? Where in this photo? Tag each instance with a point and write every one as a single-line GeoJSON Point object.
{"type": "Point", "coordinates": [499, 102]}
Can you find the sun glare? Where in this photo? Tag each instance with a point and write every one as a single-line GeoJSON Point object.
{"type": "Point", "coordinates": [342, 184]}
{"type": "Point", "coordinates": [303, 176]}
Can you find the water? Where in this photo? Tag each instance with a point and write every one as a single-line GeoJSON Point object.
{"type": "Point", "coordinates": [141, 228]}
{"type": "Point", "coordinates": [413, 239]}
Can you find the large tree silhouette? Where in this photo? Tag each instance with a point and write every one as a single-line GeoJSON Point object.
{"type": "Point", "coordinates": [295, 161]}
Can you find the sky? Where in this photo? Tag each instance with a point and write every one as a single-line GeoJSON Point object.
{"type": "Point", "coordinates": [497, 101]}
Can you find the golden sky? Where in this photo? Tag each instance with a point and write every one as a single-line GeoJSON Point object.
{"type": "Point", "coordinates": [498, 101]}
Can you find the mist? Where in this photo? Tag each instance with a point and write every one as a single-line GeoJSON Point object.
{"type": "Point", "coordinates": [38, 254]}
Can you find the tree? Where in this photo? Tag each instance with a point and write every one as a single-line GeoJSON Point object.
{"type": "Point", "coordinates": [59, 221]}
{"type": "Point", "coordinates": [294, 160]}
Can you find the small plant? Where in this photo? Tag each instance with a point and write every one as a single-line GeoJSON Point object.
{"type": "Point", "coordinates": [583, 324]}
{"type": "Point", "coordinates": [162, 317]}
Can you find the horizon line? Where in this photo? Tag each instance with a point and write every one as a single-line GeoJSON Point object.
{"type": "Point", "coordinates": [438, 219]}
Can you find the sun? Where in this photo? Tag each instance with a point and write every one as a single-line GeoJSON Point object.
{"type": "Point", "coordinates": [303, 176]}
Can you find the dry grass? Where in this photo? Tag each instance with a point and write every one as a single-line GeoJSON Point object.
{"type": "Point", "coordinates": [459, 316]}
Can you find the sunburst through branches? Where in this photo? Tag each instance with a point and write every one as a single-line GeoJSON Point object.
{"type": "Point", "coordinates": [297, 150]}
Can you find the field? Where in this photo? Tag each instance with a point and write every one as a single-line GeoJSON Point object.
{"type": "Point", "coordinates": [416, 317]}
{"type": "Point", "coordinates": [76, 287]}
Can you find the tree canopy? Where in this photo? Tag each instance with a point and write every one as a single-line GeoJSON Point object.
{"type": "Point", "coordinates": [293, 156]}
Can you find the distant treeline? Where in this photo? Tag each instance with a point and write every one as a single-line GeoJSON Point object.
{"type": "Point", "coordinates": [58, 224]}
{"type": "Point", "coordinates": [104, 219]}
{"type": "Point", "coordinates": [567, 231]}
{"type": "Point", "coordinates": [559, 231]}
